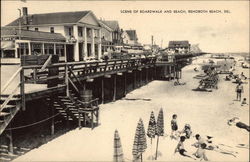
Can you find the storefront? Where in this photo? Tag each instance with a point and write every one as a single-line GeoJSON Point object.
{"type": "Point", "coordinates": [32, 43]}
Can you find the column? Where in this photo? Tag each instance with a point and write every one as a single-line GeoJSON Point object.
{"type": "Point", "coordinates": [55, 49]}
{"type": "Point", "coordinates": [29, 48]}
{"type": "Point", "coordinates": [76, 47]}
{"type": "Point", "coordinates": [43, 50]}
{"type": "Point", "coordinates": [92, 43]}
{"type": "Point", "coordinates": [16, 49]}
{"type": "Point", "coordinates": [85, 43]}
{"type": "Point", "coordinates": [99, 45]}
{"type": "Point", "coordinates": [65, 53]}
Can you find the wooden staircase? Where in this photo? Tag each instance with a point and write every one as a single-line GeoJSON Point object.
{"type": "Point", "coordinates": [8, 111]}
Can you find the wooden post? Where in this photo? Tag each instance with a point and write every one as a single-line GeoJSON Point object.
{"type": "Point", "coordinates": [22, 90]}
{"type": "Point", "coordinates": [141, 77]}
{"type": "Point", "coordinates": [170, 72]}
{"type": "Point", "coordinates": [114, 95]}
{"type": "Point", "coordinates": [52, 114]}
{"type": "Point", "coordinates": [125, 83]}
{"type": "Point", "coordinates": [102, 90]}
{"type": "Point", "coordinates": [34, 75]}
{"type": "Point", "coordinates": [67, 80]}
{"type": "Point", "coordinates": [11, 148]}
{"type": "Point", "coordinates": [135, 79]}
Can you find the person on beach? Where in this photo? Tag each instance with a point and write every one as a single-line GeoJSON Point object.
{"type": "Point", "coordinates": [244, 102]}
{"type": "Point", "coordinates": [174, 126]}
{"type": "Point", "coordinates": [180, 148]}
{"type": "Point", "coordinates": [187, 131]}
{"type": "Point", "coordinates": [199, 141]}
{"type": "Point", "coordinates": [235, 121]}
{"type": "Point", "coordinates": [201, 153]}
{"type": "Point", "coordinates": [209, 146]}
{"type": "Point", "coordinates": [239, 90]}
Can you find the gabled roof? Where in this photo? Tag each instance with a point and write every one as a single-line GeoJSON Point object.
{"type": "Point", "coordinates": [104, 25]}
{"type": "Point", "coordinates": [173, 44]}
{"type": "Point", "coordinates": [32, 35]}
{"type": "Point", "coordinates": [113, 24]}
{"type": "Point", "coordinates": [52, 18]}
{"type": "Point", "coordinates": [132, 34]}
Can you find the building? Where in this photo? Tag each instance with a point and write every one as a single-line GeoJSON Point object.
{"type": "Point", "coordinates": [80, 28]}
{"type": "Point", "coordinates": [116, 31]}
{"type": "Point", "coordinates": [15, 42]}
{"type": "Point", "coordinates": [130, 37]}
{"type": "Point", "coordinates": [178, 47]}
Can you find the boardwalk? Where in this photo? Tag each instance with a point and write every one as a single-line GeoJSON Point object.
{"type": "Point", "coordinates": [207, 113]}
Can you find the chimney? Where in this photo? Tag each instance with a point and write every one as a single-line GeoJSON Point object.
{"type": "Point", "coordinates": [25, 15]}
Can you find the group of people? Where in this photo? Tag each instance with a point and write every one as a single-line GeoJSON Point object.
{"type": "Point", "coordinates": [202, 144]}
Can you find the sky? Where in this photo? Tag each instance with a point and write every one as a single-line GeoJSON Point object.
{"type": "Point", "coordinates": [214, 32]}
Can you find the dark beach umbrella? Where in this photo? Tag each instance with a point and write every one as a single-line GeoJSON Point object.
{"type": "Point", "coordinates": [159, 129]}
{"type": "Point", "coordinates": [151, 126]}
{"type": "Point", "coordinates": [140, 142]}
{"type": "Point", "coordinates": [118, 153]}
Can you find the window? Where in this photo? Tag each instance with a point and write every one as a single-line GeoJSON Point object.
{"type": "Point", "coordinates": [52, 30]}
{"type": "Point", "coordinates": [70, 31]}
{"type": "Point", "coordinates": [36, 29]}
{"type": "Point", "coordinates": [89, 32]}
{"type": "Point", "coordinates": [80, 31]}
{"type": "Point", "coordinates": [60, 50]}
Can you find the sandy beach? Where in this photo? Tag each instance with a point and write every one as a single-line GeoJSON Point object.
{"type": "Point", "coordinates": [206, 112]}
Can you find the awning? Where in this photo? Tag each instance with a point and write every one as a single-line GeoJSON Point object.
{"type": "Point", "coordinates": [7, 45]}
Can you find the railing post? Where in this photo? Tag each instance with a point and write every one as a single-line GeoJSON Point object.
{"type": "Point", "coordinates": [22, 90]}
{"type": "Point", "coordinates": [67, 80]}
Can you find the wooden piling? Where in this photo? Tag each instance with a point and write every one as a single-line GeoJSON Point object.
{"type": "Point", "coordinates": [9, 135]}
{"type": "Point", "coordinates": [22, 90]}
{"type": "Point", "coordinates": [135, 79]}
{"type": "Point", "coordinates": [125, 84]}
{"type": "Point", "coordinates": [102, 89]}
{"type": "Point", "coordinates": [114, 94]}
{"type": "Point", "coordinates": [67, 80]}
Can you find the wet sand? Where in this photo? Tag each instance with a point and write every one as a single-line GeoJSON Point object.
{"type": "Point", "coordinates": [206, 112]}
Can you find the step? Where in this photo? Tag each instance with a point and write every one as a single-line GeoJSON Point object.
{"type": "Point", "coordinates": [59, 108]}
{"type": "Point", "coordinates": [65, 100]}
{"type": "Point", "coordinates": [4, 159]}
{"type": "Point", "coordinates": [4, 114]}
{"type": "Point", "coordinates": [1, 122]}
{"type": "Point", "coordinates": [8, 108]}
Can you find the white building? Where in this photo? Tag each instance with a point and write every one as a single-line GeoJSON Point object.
{"type": "Point", "coordinates": [80, 28]}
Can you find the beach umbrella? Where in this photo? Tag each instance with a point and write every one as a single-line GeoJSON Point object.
{"type": "Point", "coordinates": [118, 153]}
{"type": "Point", "coordinates": [159, 129]}
{"type": "Point", "coordinates": [140, 142]}
{"type": "Point", "coordinates": [151, 126]}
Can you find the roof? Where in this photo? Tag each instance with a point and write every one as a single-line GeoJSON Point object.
{"type": "Point", "coordinates": [104, 25]}
{"type": "Point", "coordinates": [132, 34]}
{"type": "Point", "coordinates": [52, 18]}
{"type": "Point", "coordinates": [33, 35]}
{"type": "Point", "coordinates": [113, 24]}
{"type": "Point", "coordinates": [172, 44]}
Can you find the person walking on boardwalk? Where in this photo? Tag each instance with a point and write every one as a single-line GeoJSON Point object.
{"type": "Point", "coordinates": [239, 90]}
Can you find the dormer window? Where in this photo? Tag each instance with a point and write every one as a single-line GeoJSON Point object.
{"type": "Point", "coordinates": [52, 30]}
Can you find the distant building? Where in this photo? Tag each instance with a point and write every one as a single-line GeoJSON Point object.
{"type": "Point", "coordinates": [180, 47]}
{"type": "Point", "coordinates": [130, 37]}
{"type": "Point", "coordinates": [80, 28]}
{"type": "Point", "coordinates": [110, 35]}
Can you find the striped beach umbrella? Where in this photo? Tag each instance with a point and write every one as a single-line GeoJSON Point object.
{"type": "Point", "coordinates": [151, 126]}
{"type": "Point", "coordinates": [118, 153]}
{"type": "Point", "coordinates": [140, 142]}
{"type": "Point", "coordinates": [159, 129]}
